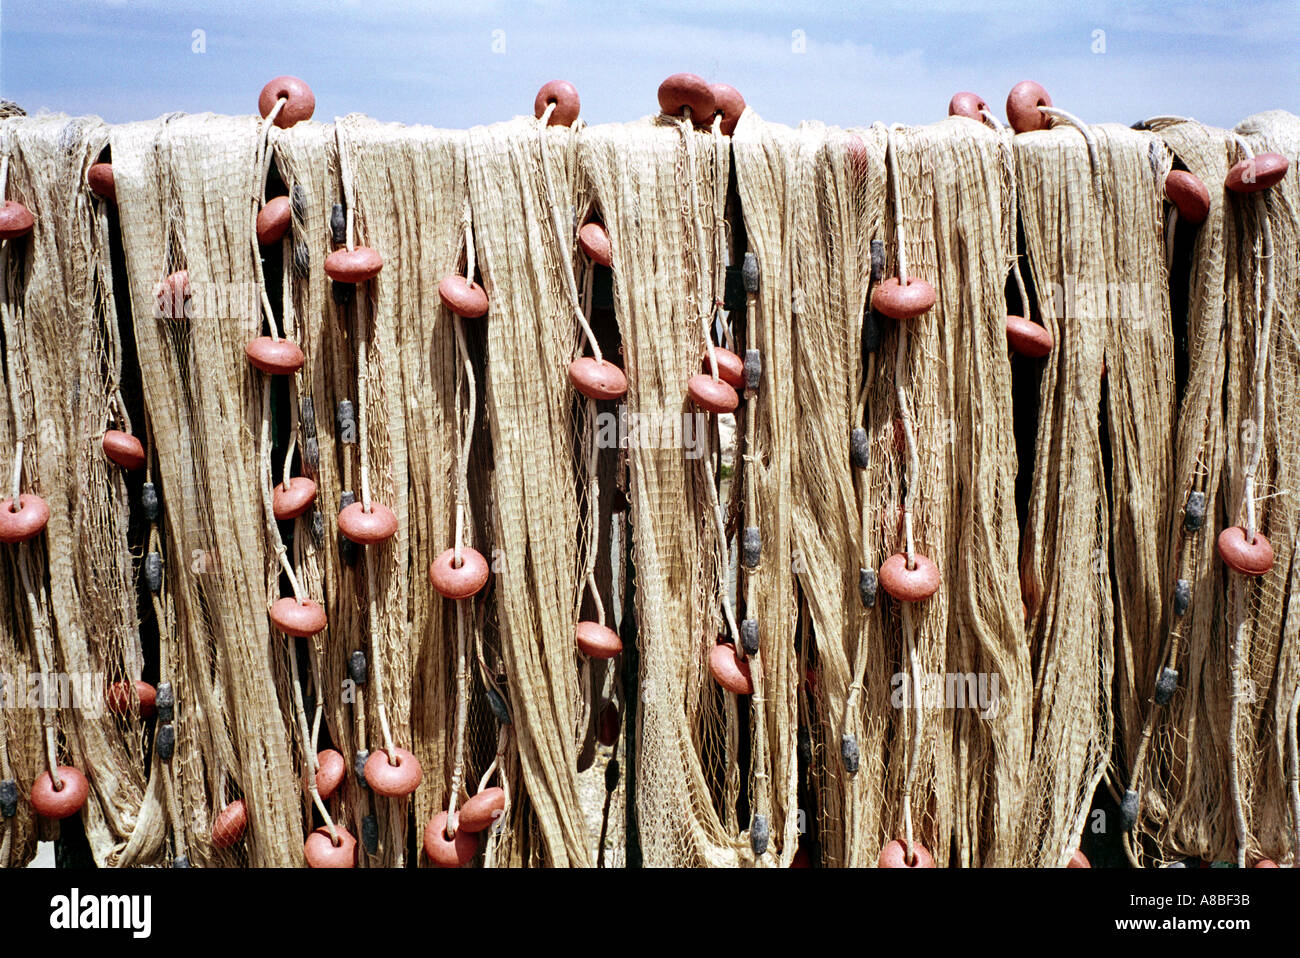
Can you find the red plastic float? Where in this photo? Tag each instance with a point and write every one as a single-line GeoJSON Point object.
{"type": "Point", "coordinates": [300, 105]}
{"type": "Point", "coordinates": [480, 811]}
{"type": "Point", "coordinates": [357, 265]}
{"type": "Point", "coordinates": [565, 97]}
{"type": "Point", "coordinates": [1259, 173]}
{"type": "Point", "coordinates": [731, 368]}
{"type": "Point", "coordinates": [24, 521]}
{"type": "Point", "coordinates": [101, 181]}
{"type": "Point", "coordinates": [275, 357]}
{"type": "Point", "coordinates": [393, 781]}
{"type": "Point", "coordinates": [273, 220]}
{"type": "Point", "coordinates": [894, 855]}
{"type": "Point", "coordinates": [463, 297]}
{"type": "Point", "coordinates": [121, 698]}
{"type": "Point", "coordinates": [368, 528]}
{"type": "Point", "coordinates": [608, 725]}
{"type": "Point", "coordinates": [686, 91]}
{"type": "Point", "coordinates": [712, 395]}
{"type": "Point", "coordinates": [321, 852]}
{"type": "Point", "coordinates": [598, 641]}
{"type": "Point", "coordinates": [597, 379]}
{"type": "Point", "coordinates": [123, 449]}
{"type": "Point", "coordinates": [63, 802]}
{"type": "Point", "coordinates": [1028, 338]}
{"type": "Point", "coordinates": [301, 620]}
{"type": "Point", "coordinates": [15, 220]}
{"type": "Point", "coordinates": [891, 298]}
{"type": "Point", "coordinates": [293, 497]}
{"type": "Point", "coordinates": [448, 852]}
{"type": "Point", "coordinates": [1188, 194]}
{"type": "Point", "coordinates": [230, 824]}
{"type": "Point", "coordinates": [329, 776]}
{"type": "Point", "coordinates": [967, 105]}
{"type": "Point", "coordinates": [730, 671]}
{"type": "Point", "coordinates": [909, 585]}
{"type": "Point", "coordinates": [458, 583]}
{"type": "Point", "coordinates": [593, 238]}
{"type": "Point", "coordinates": [1252, 558]}
{"type": "Point", "coordinates": [1022, 107]}
{"type": "Point", "coordinates": [728, 102]}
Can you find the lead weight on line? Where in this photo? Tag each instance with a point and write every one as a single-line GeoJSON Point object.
{"type": "Point", "coordinates": [753, 369]}
{"type": "Point", "coordinates": [1182, 596]}
{"type": "Point", "coordinates": [153, 572]}
{"type": "Point", "coordinates": [867, 585]}
{"type": "Point", "coordinates": [310, 456]}
{"type": "Point", "coordinates": [149, 501]}
{"type": "Point", "coordinates": [165, 742]}
{"type": "Point", "coordinates": [858, 447]}
{"type": "Point", "coordinates": [749, 272]}
{"type": "Point", "coordinates": [317, 527]}
{"type": "Point", "coordinates": [342, 292]}
{"type": "Point", "coordinates": [345, 421]}
{"type": "Point", "coordinates": [358, 670]}
{"type": "Point", "coordinates": [498, 706]}
{"type": "Point", "coordinates": [307, 416]}
{"type": "Point", "coordinates": [180, 861]}
{"type": "Point", "coordinates": [359, 766]}
{"type": "Point", "coordinates": [298, 201]}
{"type": "Point", "coordinates": [758, 834]}
{"type": "Point", "coordinates": [1166, 685]}
{"type": "Point", "coordinates": [1194, 514]}
{"type": "Point", "coordinates": [871, 331]}
{"type": "Point", "coordinates": [347, 548]}
{"type": "Point", "coordinates": [370, 833]}
{"type": "Point", "coordinates": [1128, 810]}
{"type": "Point", "coordinates": [611, 775]}
{"type": "Point", "coordinates": [301, 259]}
{"type": "Point", "coordinates": [877, 260]}
{"type": "Point", "coordinates": [339, 225]}
{"type": "Point", "coordinates": [751, 547]}
{"type": "Point", "coordinates": [804, 745]}
{"type": "Point", "coordinates": [8, 798]}
{"type": "Point", "coordinates": [165, 703]}
{"type": "Point", "coordinates": [749, 636]}
{"type": "Point", "coordinates": [850, 754]}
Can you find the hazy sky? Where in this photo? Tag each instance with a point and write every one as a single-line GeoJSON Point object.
{"type": "Point", "coordinates": [459, 64]}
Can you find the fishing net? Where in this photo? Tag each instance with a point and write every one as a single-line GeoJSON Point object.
{"type": "Point", "coordinates": [1071, 503]}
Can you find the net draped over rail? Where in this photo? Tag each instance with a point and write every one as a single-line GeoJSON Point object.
{"type": "Point", "coordinates": [1070, 502]}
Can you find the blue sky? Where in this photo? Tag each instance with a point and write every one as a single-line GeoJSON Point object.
{"type": "Point", "coordinates": [459, 64]}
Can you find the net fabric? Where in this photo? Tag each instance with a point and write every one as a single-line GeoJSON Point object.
{"type": "Point", "coordinates": [1140, 416]}
{"type": "Point", "coordinates": [529, 402]}
{"type": "Point", "coordinates": [968, 783]}
{"type": "Point", "coordinates": [806, 222]}
{"type": "Point", "coordinates": [638, 175]}
{"type": "Point", "coordinates": [1065, 554]}
{"type": "Point", "coordinates": [60, 343]}
{"type": "Point", "coordinates": [1260, 636]}
{"type": "Point", "coordinates": [1181, 770]}
{"type": "Point", "coordinates": [1114, 462]}
{"type": "Point", "coordinates": [184, 187]}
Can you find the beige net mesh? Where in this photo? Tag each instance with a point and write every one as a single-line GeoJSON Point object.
{"type": "Point", "coordinates": [1167, 339]}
